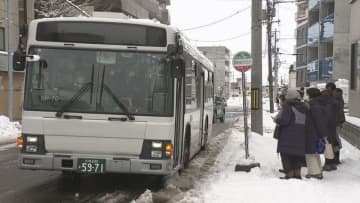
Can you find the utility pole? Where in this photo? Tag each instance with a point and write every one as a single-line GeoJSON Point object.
{"type": "Point", "coordinates": [10, 59]}
{"type": "Point", "coordinates": [256, 71]}
{"type": "Point", "coordinates": [269, 15]}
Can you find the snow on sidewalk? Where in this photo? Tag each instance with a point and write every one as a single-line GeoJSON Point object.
{"type": "Point", "coordinates": [263, 184]}
{"type": "Point", "coordinates": [9, 131]}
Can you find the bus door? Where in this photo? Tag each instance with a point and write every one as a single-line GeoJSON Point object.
{"type": "Point", "coordinates": [199, 103]}
{"type": "Point", "coordinates": [202, 95]}
{"type": "Point", "coordinates": [179, 121]}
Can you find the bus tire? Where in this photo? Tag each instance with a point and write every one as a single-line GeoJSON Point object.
{"type": "Point", "coordinates": [187, 149]}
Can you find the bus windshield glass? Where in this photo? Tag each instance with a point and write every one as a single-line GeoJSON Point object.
{"type": "Point", "coordinates": [109, 82]}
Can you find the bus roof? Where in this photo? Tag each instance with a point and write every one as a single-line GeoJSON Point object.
{"type": "Point", "coordinates": [188, 46]}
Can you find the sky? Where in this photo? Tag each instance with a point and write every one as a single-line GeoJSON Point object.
{"type": "Point", "coordinates": [187, 14]}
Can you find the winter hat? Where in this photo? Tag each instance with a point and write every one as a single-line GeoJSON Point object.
{"type": "Point", "coordinates": [292, 94]}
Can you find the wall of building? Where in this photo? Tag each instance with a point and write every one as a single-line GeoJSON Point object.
{"type": "Point", "coordinates": [354, 95]}
{"type": "Point", "coordinates": [18, 78]}
{"type": "Point", "coordinates": [220, 56]}
{"type": "Point", "coordinates": [341, 50]}
{"type": "Point", "coordinates": [15, 20]}
{"type": "Point", "coordinates": [301, 44]}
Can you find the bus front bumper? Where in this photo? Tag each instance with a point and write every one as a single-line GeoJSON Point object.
{"type": "Point", "coordinates": [112, 164]}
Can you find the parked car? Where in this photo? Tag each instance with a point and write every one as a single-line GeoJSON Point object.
{"type": "Point", "coordinates": [219, 109]}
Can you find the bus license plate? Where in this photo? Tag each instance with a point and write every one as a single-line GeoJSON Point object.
{"type": "Point", "coordinates": [91, 165]}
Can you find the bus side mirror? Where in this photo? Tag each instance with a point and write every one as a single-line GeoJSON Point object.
{"type": "Point", "coordinates": [171, 50]}
{"type": "Point", "coordinates": [19, 61]}
{"type": "Point", "coordinates": [177, 68]}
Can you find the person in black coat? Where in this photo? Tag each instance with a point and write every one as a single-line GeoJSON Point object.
{"type": "Point", "coordinates": [291, 140]}
{"type": "Point", "coordinates": [340, 119]}
{"type": "Point", "coordinates": [316, 126]}
{"type": "Point", "coordinates": [332, 107]}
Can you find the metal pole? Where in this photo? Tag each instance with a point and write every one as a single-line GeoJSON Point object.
{"type": "Point", "coordinates": [256, 71]}
{"type": "Point", "coordinates": [269, 38]}
{"type": "Point", "coordinates": [10, 59]}
{"type": "Point", "coordinates": [245, 114]}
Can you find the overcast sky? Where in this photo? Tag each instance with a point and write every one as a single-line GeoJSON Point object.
{"type": "Point", "coordinates": [187, 14]}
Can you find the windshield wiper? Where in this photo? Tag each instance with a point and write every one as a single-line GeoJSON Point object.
{"type": "Point", "coordinates": [74, 98]}
{"type": "Point", "coordinates": [119, 103]}
{"type": "Point", "coordinates": [113, 96]}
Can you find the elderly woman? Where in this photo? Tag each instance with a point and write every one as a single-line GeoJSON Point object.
{"type": "Point", "coordinates": [291, 139]}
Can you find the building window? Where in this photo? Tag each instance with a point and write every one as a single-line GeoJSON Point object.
{"type": "Point", "coordinates": [353, 67]}
{"type": "Point", "coordinates": [2, 39]}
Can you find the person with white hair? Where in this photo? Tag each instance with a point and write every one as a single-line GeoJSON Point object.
{"type": "Point", "coordinates": [291, 138]}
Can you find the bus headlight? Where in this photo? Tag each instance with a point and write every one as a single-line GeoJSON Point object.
{"type": "Point", "coordinates": [156, 154]}
{"type": "Point", "coordinates": [156, 149]}
{"type": "Point", "coordinates": [156, 144]}
{"type": "Point", "coordinates": [31, 139]}
{"type": "Point", "coordinates": [31, 148]}
{"type": "Point", "coordinates": [33, 144]}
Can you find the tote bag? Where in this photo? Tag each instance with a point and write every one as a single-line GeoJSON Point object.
{"type": "Point", "coordinates": [328, 152]}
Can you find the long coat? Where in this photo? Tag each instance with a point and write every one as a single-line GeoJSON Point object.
{"type": "Point", "coordinates": [332, 107]}
{"type": "Point", "coordinates": [292, 120]}
{"type": "Point", "coordinates": [316, 125]}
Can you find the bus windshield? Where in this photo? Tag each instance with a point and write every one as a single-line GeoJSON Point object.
{"type": "Point", "coordinates": [139, 81]}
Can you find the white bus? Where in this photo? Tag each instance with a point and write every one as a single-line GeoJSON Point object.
{"type": "Point", "coordinates": [113, 96]}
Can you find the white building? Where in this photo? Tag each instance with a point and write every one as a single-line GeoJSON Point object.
{"type": "Point", "coordinates": [220, 56]}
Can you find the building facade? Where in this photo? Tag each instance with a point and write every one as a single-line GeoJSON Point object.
{"type": "Point", "coordinates": [354, 92]}
{"type": "Point", "coordinates": [325, 53]}
{"type": "Point", "coordinates": [21, 16]}
{"type": "Point", "coordinates": [301, 43]}
{"type": "Point", "coordinates": [220, 56]}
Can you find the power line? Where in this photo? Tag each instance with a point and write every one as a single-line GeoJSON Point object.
{"type": "Point", "coordinates": [217, 21]}
{"type": "Point", "coordinates": [222, 40]}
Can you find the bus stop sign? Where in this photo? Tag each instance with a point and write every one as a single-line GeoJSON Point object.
{"type": "Point", "coordinates": [242, 61]}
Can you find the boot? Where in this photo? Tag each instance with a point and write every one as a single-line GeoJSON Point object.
{"type": "Point", "coordinates": [297, 173]}
{"type": "Point", "coordinates": [289, 174]}
{"type": "Point", "coordinates": [337, 158]}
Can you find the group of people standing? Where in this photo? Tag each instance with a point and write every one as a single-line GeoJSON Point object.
{"type": "Point", "coordinates": [300, 124]}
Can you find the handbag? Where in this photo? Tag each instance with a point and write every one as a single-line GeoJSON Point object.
{"type": "Point", "coordinates": [320, 145]}
{"type": "Point", "coordinates": [328, 152]}
{"type": "Point", "coordinates": [276, 132]}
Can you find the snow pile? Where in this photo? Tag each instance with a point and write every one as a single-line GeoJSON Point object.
{"type": "Point", "coordinates": [263, 184]}
{"type": "Point", "coordinates": [146, 197]}
{"type": "Point", "coordinates": [9, 131]}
